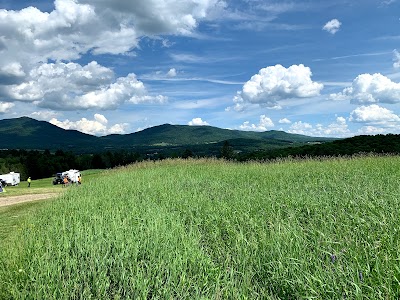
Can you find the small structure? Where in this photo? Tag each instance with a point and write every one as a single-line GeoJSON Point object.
{"type": "Point", "coordinates": [11, 178]}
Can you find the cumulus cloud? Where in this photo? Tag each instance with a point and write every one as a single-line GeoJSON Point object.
{"type": "Point", "coordinates": [300, 128]}
{"type": "Point", "coordinates": [263, 125]}
{"type": "Point", "coordinates": [172, 73]}
{"type": "Point", "coordinates": [367, 88]}
{"type": "Point", "coordinates": [30, 38]}
{"type": "Point", "coordinates": [371, 130]}
{"type": "Point", "coordinates": [284, 121]}
{"type": "Point", "coordinates": [68, 86]}
{"type": "Point", "coordinates": [339, 128]}
{"type": "Point", "coordinates": [98, 126]}
{"type": "Point", "coordinates": [100, 26]}
{"type": "Point", "coordinates": [5, 106]}
{"type": "Point", "coordinates": [332, 26]}
{"type": "Point", "coordinates": [276, 83]}
{"type": "Point", "coordinates": [396, 59]}
{"type": "Point", "coordinates": [374, 114]}
{"type": "Point", "coordinates": [197, 122]}
{"type": "Point", "coordinates": [44, 115]}
{"type": "Point", "coordinates": [375, 120]}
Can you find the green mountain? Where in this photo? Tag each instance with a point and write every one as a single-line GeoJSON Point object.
{"type": "Point", "coordinates": [27, 133]}
{"type": "Point", "coordinates": [174, 135]}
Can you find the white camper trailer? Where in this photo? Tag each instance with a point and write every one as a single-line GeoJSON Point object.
{"type": "Point", "coordinates": [72, 175]}
{"type": "Point", "coordinates": [11, 178]}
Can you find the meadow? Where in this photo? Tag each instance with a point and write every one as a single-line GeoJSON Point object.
{"type": "Point", "coordinates": [211, 229]}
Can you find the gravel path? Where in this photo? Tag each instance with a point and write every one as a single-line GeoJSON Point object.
{"type": "Point", "coordinates": [5, 201]}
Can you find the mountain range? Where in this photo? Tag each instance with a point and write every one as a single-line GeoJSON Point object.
{"type": "Point", "coordinates": [28, 133]}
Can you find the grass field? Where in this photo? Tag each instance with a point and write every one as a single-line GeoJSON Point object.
{"type": "Point", "coordinates": [208, 229]}
{"type": "Point", "coordinates": [44, 185]}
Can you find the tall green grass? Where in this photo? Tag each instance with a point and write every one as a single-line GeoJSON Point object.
{"type": "Point", "coordinates": [208, 229]}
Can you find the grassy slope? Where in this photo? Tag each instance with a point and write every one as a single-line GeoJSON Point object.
{"type": "Point", "coordinates": [207, 229]}
{"type": "Point", "coordinates": [11, 217]}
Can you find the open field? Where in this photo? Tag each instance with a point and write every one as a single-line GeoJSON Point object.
{"type": "Point", "coordinates": [13, 203]}
{"type": "Point", "coordinates": [208, 229]}
{"type": "Point", "coordinates": [43, 186]}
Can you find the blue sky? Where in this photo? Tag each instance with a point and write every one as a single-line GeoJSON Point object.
{"type": "Point", "coordinates": [320, 68]}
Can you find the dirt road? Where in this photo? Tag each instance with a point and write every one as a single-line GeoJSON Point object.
{"type": "Point", "coordinates": [5, 201]}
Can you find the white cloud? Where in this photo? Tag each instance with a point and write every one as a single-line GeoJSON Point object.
{"type": "Point", "coordinates": [371, 130]}
{"type": "Point", "coordinates": [276, 83]}
{"type": "Point", "coordinates": [376, 120]}
{"type": "Point", "coordinates": [197, 122]}
{"type": "Point", "coordinates": [68, 86]}
{"type": "Point", "coordinates": [339, 128]}
{"type": "Point", "coordinates": [5, 106]}
{"type": "Point", "coordinates": [396, 59]}
{"type": "Point", "coordinates": [332, 26]}
{"type": "Point", "coordinates": [12, 69]}
{"type": "Point", "coordinates": [263, 125]}
{"type": "Point", "coordinates": [284, 121]}
{"type": "Point", "coordinates": [374, 114]}
{"type": "Point", "coordinates": [101, 26]}
{"type": "Point", "coordinates": [172, 73]}
{"type": "Point", "coordinates": [44, 114]}
{"type": "Point", "coordinates": [367, 88]}
{"type": "Point", "coordinates": [300, 128]}
{"type": "Point", "coordinates": [29, 38]}
{"type": "Point", "coordinates": [98, 126]}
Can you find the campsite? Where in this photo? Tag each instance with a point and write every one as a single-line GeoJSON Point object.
{"type": "Point", "coordinates": [208, 228]}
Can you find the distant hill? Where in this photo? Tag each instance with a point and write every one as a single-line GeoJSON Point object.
{"type": "Point", "coordinates": [173, 135]}
{"type": "Point", "coordinates": [28, 133]}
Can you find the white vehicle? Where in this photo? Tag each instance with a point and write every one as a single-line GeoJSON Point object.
{"type": "Point", "coordinates": [11, 178]}
{"type": "Point", "coordinates": [72, 175]}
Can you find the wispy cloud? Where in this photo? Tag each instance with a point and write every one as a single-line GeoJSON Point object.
{"type": "Point", "coordinates": [158, 77]}
{"type": "Point", "coordinates": [353, 55]}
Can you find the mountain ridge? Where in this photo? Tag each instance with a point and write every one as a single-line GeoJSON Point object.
{"type": "Point", "coordinates": [29, 133]}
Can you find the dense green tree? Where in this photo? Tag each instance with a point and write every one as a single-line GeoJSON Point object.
{"type": "Point", "coordinates": [227, 151]}
{"type": "Point", "coordinates": [187, 153]}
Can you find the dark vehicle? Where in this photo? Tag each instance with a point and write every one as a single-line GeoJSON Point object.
{"type": "Point", "coordinates": [58, 179]}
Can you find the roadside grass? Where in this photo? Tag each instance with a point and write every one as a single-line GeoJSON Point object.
{"type": "Point", "coordinates": [209, 229]}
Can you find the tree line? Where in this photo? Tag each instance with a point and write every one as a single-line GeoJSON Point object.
{"type": "Point", "coordinates": [43, 164]}
{"type": "Point", "coordinates": [379, 144]}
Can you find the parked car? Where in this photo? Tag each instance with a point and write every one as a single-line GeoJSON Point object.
{"type": "Point", "coordinates": [58, 178]}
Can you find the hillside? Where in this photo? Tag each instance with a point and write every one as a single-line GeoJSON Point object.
{"type": "Point", "coordinates": [27, 133]}
{"type": "Point", "coordinates": [174, 135]}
